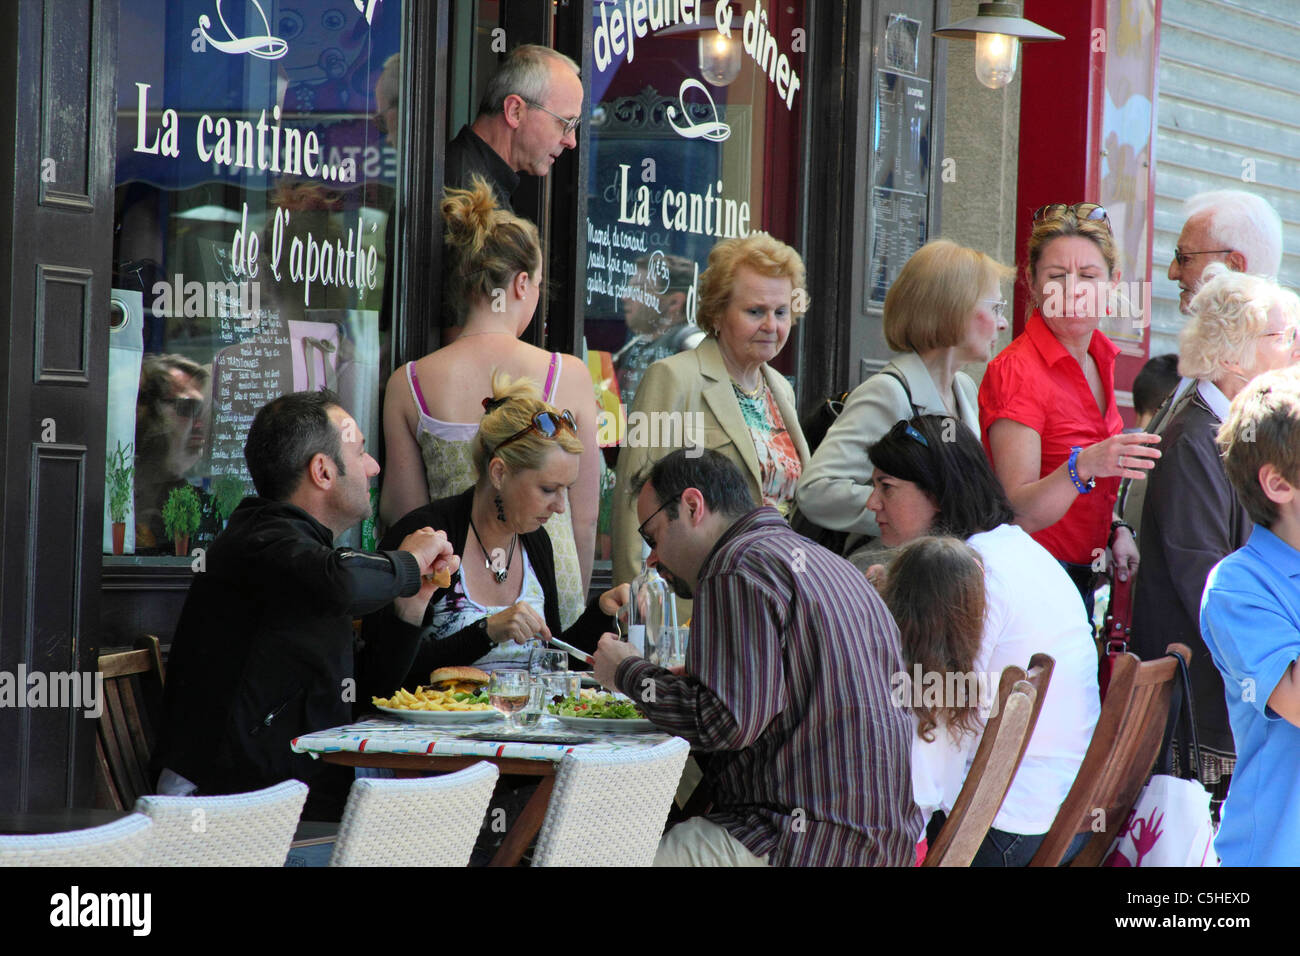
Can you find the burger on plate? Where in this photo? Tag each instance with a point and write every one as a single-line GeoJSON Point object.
{"type": "Point", "coordinates": [466, 680]}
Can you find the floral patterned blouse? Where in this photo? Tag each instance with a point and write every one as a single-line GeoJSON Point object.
{"type": "Point", "coordinates": [778, 462]}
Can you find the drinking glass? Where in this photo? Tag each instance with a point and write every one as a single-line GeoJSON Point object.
{"type": "Point", "coordinates": [532, 713]}
{"type": "Point", "coordinates": [566, 684]}
{"type": "Point", "coordinates": [508, 694]}
{"type": "Point", "coordinates": [548, 661]}
{"type": "Point", "coordinates": [672, 646]}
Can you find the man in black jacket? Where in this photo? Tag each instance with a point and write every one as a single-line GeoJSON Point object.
{"type": "Point", "coordinates": [263, 651]}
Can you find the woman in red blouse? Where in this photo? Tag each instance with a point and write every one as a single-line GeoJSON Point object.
{"type": "Point", "coordinates": [1047, 403]}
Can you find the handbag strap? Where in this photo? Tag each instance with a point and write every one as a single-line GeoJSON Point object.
{"type": "Point", "coordinates": [1184, 716]}
{"type": "Point", "coordinates": [892, 371]}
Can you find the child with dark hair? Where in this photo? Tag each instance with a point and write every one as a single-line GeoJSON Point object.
{"type": "Point", "coordinates": [1156, 382]}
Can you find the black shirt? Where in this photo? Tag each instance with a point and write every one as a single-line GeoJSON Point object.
{"type": "Point", "coordinates": [468, 154]}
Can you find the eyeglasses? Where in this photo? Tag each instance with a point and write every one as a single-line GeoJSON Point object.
{"type": "Point", "coordinates": [570, 122]}
{"type": "Point", "coordinates": [1082, 211]}
{"type": "Point", "coordinates": [1182, 257]}
{"type": "Point", "coordinates": [641, 528]}
{"type": "Point", "coordinates": [185, 407]}
{"type": "Point", "coordinates": [999, 307]}
{"type": "Point", "coordinates": [546, 424]}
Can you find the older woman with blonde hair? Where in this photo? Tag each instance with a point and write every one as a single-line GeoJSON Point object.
{"type": "Point", "coordinates": [944, 310]}
{"type": "Point", "coordinates": [1241, 327]}
{"type": "Point", "coordinates": [526, 457]}
{"type": "Point", "coordinates": [723, 394]}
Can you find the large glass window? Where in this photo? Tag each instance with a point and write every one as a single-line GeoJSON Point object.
{"type": "Point", "coordinates": [255, 190]}
{"type": "Point", "coordinates": [696, 135]}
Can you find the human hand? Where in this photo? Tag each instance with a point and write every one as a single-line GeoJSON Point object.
{"type": "Point", "coordinates": [876, 576]}
{"type": "Point", "coordinates": [610, 652]}
{"type": "Point", "coordinates": [1126, 455]}
{"type": "Point", "coordinates": [411, 609]}
{"type": "Point", "coordinates": [433, 551]}
{"type": "Point", "coordinates": [615, 599]}
{"type": "Point", "coordinates": [1124, 554]}
{"type": "Point", "coordinates": [519, 623]}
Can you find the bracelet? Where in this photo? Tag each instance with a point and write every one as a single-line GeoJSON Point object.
{"type": "Point", "coordinates": [1115, 526]}
{"type": "Point", "coordinates": [1071, 466]}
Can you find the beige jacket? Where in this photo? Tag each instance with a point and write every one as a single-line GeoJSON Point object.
{"type": "Point", "coordinates": [691, 382]}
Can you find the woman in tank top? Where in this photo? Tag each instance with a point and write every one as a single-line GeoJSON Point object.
{"type": "Point", "coordinates": [432, 406]}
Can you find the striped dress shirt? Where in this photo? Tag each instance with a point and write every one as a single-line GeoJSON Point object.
{"type": "Point", "coordinates": [788, 685]}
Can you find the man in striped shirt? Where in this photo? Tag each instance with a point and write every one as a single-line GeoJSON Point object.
{"type": "Point", "coordinates": [787, 683]}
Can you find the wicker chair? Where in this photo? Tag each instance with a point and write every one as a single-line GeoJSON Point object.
{"type": "Point", "coordinates": [609, 809]}
{"type": "Point", "coordinates": [426, 821]}
{"type": "Point", "coordinates": [236, 829]}
{"type": "Point", "coordinates": [121, 843]}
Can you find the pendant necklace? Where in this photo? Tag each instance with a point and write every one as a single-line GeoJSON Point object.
{"type": "Point", "coordinates": [497, 575]}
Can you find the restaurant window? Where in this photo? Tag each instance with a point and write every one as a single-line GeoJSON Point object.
{"type": "Point", "coordinates": [256, 180]}
{"type": "Point", "coordinates": [696, 135]}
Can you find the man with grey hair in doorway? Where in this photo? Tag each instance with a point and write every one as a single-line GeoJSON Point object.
{"type": "Point", "coordinates": [528, 116]}
{"type": "Point", "coordinates": [1239, 229]}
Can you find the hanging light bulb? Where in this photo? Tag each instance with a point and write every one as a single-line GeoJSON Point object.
{"type": "Point", "coordinates": [998, 30]}
{"type": "Point", "coordinates": [719, 58]}
{"type": "Point", "coordinates": [996, 55]}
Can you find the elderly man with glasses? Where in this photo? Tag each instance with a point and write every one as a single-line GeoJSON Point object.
{"type": "Point", "coordinates": [528, 116]}
{"type": "Point", "coordinates": [1231, 226]}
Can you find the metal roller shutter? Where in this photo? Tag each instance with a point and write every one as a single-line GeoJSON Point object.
{"type": "Point", "coordinates": [1228, 107]}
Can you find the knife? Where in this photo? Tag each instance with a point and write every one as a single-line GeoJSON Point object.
{"type": "Point", "coordinates": [580, 655]}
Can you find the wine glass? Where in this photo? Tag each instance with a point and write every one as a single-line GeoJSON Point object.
{"type": "Point", "coordinates": [546, 661]}
{"type": "Point", "coordinates": [508, 694]}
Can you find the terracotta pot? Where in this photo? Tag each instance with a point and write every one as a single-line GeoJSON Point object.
{"type": "Point", "coordinates": [182, 542]}
{"type": "Point", "coordinates": [119, 537]}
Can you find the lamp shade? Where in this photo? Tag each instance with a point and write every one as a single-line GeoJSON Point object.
{"type": "Point", "coordinates": [1003, 18]}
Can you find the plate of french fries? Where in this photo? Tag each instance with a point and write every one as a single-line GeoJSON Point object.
{"type": "Point", "coordinates": [429, 706]}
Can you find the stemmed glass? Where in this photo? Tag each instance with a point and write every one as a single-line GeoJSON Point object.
{"type": "Point", "coordinates": [508, 694]}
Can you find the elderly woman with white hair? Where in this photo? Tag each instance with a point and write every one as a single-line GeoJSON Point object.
{"type": "Point", "coordinates": [1241, 326]}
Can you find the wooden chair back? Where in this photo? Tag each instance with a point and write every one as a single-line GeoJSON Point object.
{"type": "Point", "coordinates": [1123, 750]}
{"type": "Point", "coordinates": [1001, 748]}
{"type": "Point", "coordinates": [132, 699]}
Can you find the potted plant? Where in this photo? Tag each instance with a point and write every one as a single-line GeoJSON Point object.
{"type": "Point", "coordinates": [181, 517]}
{"type": "Point", "coordinates": [120, 488]}
{"type": "Point", "coordinates": [227, 493]}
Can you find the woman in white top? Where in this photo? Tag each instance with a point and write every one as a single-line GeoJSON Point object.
{"type": "Point", "coordinates": [931, 477]}
{"type": "Point", "coordinates": [432, 406]}
{"type": "Point", "coordinates": [943, 311]}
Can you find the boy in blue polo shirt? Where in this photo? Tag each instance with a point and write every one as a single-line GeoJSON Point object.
{"type": "Point", "coordinates": [1250, 619]}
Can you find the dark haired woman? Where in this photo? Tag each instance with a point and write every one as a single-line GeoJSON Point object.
{"type": "Point", "coordinates": [931, 477]}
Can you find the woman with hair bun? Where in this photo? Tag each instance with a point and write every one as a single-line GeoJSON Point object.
{"type": "Point", "coordinates": [432, 406]}
{"type": "Point", "coordinates": [526, 456]}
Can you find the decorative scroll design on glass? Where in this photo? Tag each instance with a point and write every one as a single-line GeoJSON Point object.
{"type": "Point", "coordinates": [649, 111]}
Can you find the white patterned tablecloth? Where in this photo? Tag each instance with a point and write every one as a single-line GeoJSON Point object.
{"type": "Point", "coordinates": [390, 736]}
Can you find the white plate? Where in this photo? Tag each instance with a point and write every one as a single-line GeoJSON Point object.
{"type": "Point", "coordinates": [441, 716]}
{"type": "Point", "coordinates": [630, 725]}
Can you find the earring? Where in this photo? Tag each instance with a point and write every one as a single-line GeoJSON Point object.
{"type": "Point", "coordinates": [501, 510]}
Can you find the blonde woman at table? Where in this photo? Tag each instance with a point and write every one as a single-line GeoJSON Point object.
{"type": "Point", "coordinates": [432, 406]}
{"type": "Point", "coordinates": [724, 391]}
{"type": "Point", "coordinates": [944, 310]}
{"type": "Point", "coordinates": [526, 455]}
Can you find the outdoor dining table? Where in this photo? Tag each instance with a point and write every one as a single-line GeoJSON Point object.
{"type": "Point", "coordinates": [412, 750]}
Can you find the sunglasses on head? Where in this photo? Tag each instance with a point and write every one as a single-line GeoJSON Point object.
{"type": "Point", "coordinates": [546, 424]}
{"type": "Point", "coordinates": [1082, 211]}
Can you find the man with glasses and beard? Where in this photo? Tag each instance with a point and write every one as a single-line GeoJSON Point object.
{"type": "Point", "coordinates": [786, 688]}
